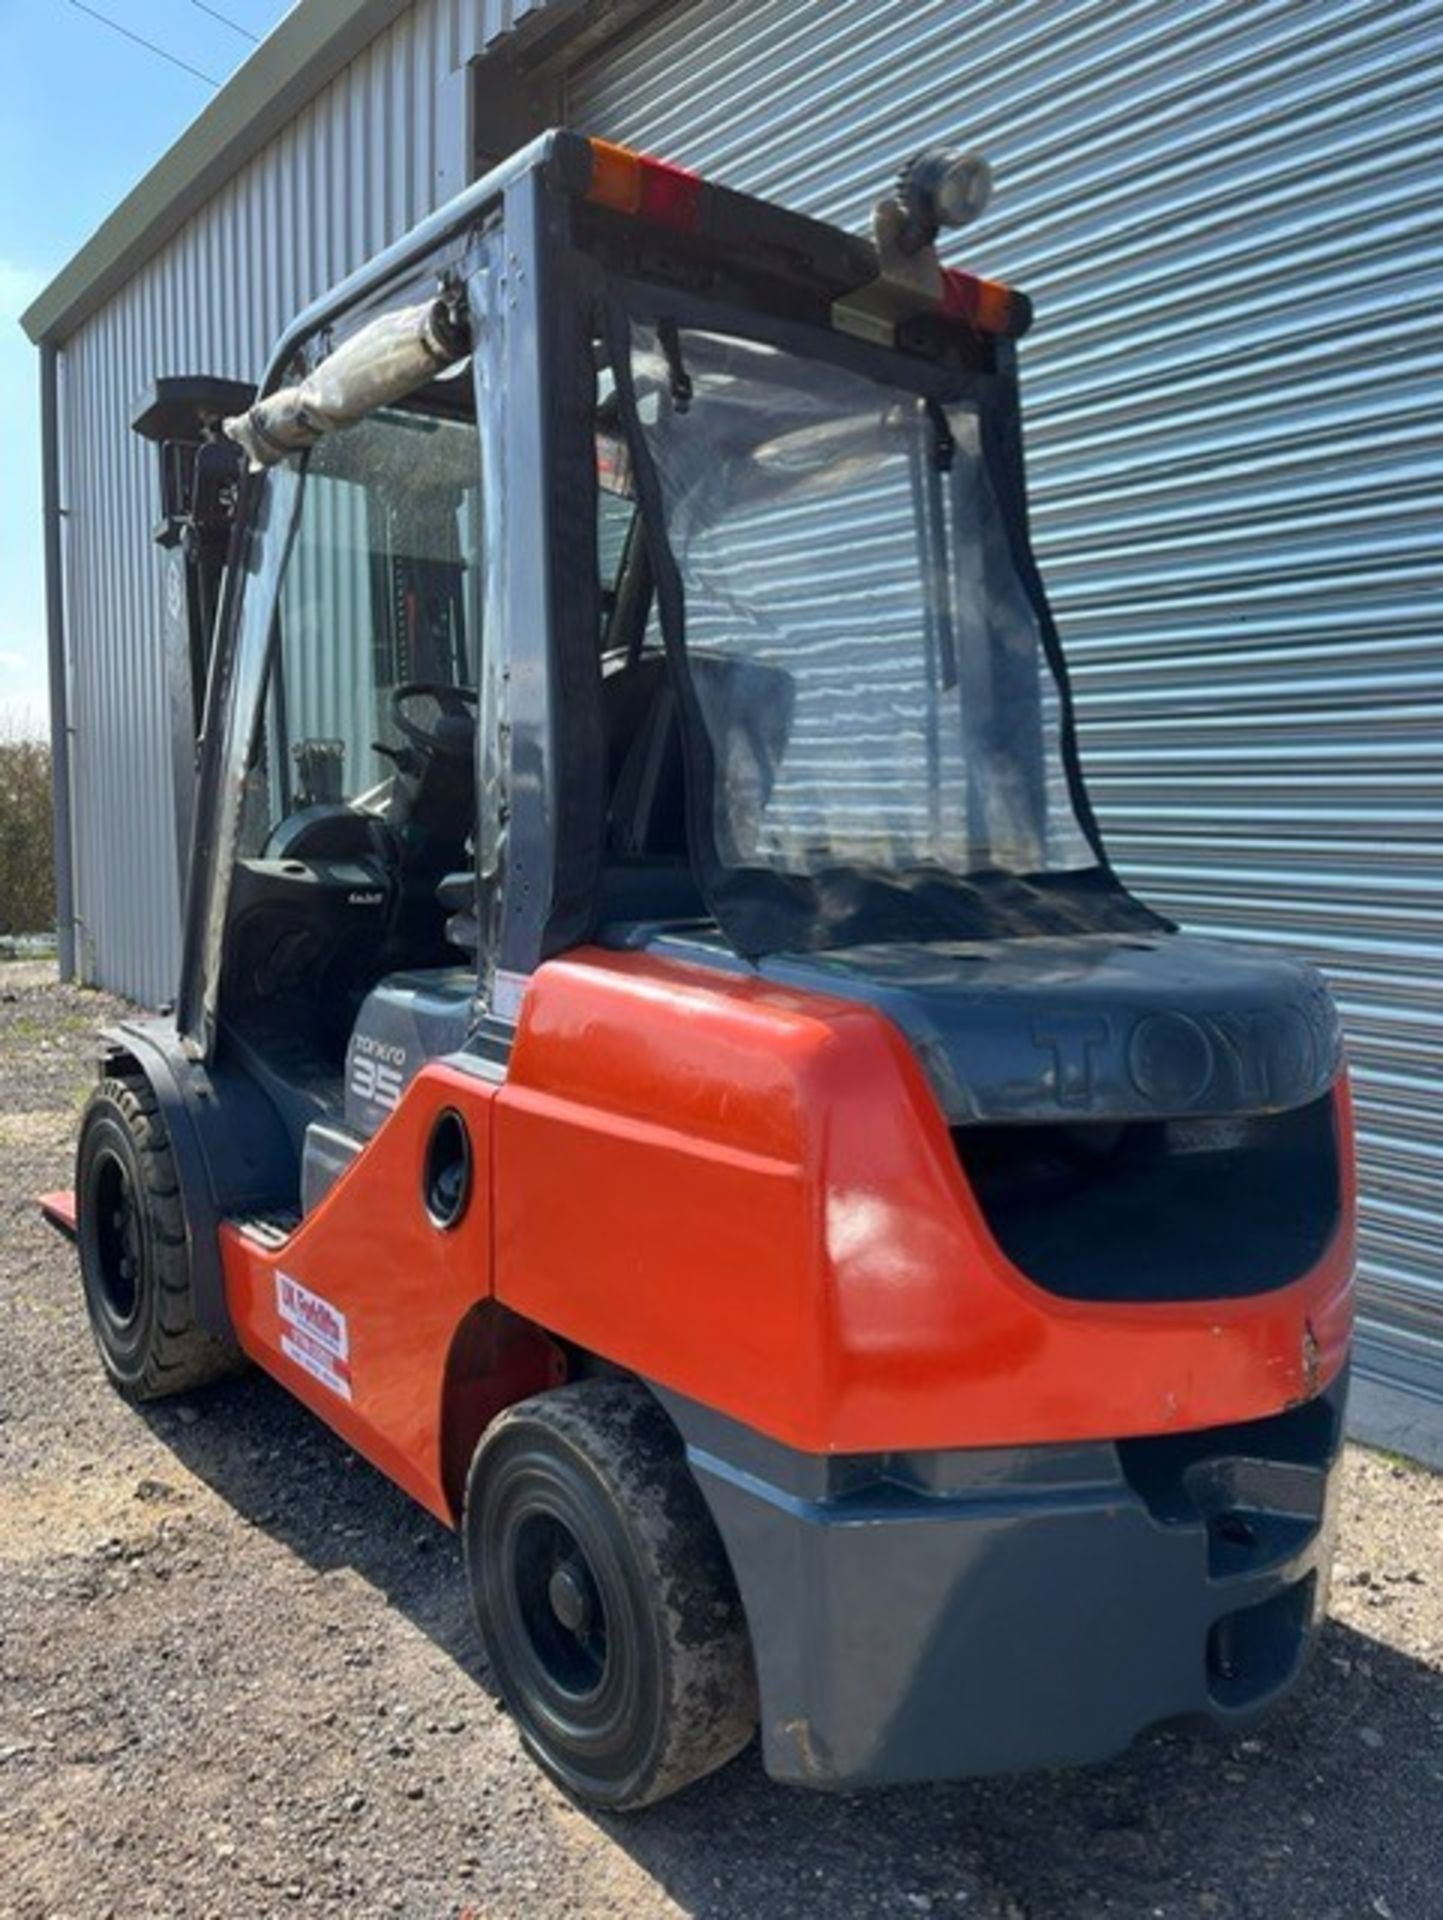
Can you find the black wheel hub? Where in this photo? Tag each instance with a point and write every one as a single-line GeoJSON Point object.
{"type": "Point", "coordinates": [571, 1601]}
{"type": "Point", "coordinates": [559, 1604]}
{"type": "Point", "coordinates": [118, 1237]}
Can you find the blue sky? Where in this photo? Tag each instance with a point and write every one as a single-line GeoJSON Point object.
{"type": "Point", "coordinates": [83, 115]}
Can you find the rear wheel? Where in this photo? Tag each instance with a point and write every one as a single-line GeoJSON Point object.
{"type": "Point", "coordinates": [604, 1597]}
{"type": "Point", "coordinates": [134, 1256]}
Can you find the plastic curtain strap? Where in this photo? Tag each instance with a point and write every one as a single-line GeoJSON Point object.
{"type": "Point", "coordinates": [389, 358]}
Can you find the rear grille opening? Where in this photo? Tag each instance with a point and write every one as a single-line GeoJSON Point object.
{"type": "Point", "coordinates": [1253, 1651]}
{"type": "Point", "coordinates": [1204, 1209]}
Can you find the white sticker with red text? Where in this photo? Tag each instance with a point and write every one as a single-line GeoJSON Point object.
{"type": "Point", "coordinates": [314, 1334]}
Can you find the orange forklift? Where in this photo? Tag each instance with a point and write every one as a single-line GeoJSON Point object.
{"type": "Point", "coordinates": [663, 1065]}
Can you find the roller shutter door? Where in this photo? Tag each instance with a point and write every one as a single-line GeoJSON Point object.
{"type": "Point", "coordinates": [1227, 218]}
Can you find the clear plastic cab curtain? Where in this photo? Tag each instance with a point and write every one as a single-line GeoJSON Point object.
{"type": "Point", "coordinates": [866, 659]}
{"type": "Point", "coordinates": [235, 699]}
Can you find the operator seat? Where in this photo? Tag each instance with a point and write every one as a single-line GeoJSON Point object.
{"type": "Point", "coordinates": [747, 706]}
{"type": "Point", "coordinates": [645, 822]}
{"type": "Point", "coordinates": [646, 866]}
{"type": "Point", "coordinates": [748, 709]}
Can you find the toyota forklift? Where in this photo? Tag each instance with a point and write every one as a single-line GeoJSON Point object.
{"type": "Point", "coordinates": [663, 1064]}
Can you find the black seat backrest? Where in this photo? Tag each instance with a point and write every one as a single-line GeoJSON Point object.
{"type": "Point", "coordinates": [748, 709]}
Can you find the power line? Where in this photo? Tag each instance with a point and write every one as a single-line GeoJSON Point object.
{"type": "Point", "coordinates": [150, 46]}
{"type": "Point", "coordinates": [226, 21]}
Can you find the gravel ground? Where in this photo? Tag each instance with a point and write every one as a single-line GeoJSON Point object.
{"type": "Point", "coordinates": [237, 1677]}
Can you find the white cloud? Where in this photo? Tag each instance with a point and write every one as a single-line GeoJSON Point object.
{"type": "Point", "coordinates": [18, 287]}
{"type": "Point", "coordinates": [24, 689]}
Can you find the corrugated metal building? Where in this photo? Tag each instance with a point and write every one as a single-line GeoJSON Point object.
{"type": "Point", "coordinates": [1227, 218]}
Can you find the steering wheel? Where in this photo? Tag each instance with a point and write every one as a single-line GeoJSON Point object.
{"type": "Point", "coordinates": [451, 731]}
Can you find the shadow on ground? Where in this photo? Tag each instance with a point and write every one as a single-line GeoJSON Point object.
{"type": "Point", "coordinates": [1330, 1811]}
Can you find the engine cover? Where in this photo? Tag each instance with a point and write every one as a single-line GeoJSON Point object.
{"type": "Point", "coordinates": [1138, 1026]}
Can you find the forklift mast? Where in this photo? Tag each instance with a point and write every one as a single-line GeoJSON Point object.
{"type": "Point", "coordinates": [199, 478]}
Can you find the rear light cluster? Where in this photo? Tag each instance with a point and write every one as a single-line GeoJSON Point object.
{"type": "Point", "coordinates": [635, 184]}
{"type": "Point", "coordinates": [656, 190]}
{"type": "Point", "coordinates": [986, 305]}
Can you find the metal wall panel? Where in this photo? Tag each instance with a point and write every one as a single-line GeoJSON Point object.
{"type": "Point", "coordinates": [366, 159]}
{"type": "Point", "coordinates": [1227, 217]}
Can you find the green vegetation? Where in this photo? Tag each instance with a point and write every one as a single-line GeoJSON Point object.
{"type": "Point", "coordinates": [27, 873]}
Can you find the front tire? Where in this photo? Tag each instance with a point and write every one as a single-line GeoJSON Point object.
{"type": "Point", "coordinates": [134, 1253]}
{"type": "Point", "coordinates": [604, 1598]}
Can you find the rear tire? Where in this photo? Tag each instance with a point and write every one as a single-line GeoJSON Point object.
{"type": "Point", "coordinates": [604, 1597]}
{"type": "Point", "coordinates": [134, 1251]}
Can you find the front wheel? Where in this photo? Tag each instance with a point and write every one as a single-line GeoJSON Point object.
{"type": "Point", "coordinates": [134, 1256]}
{"type": "Point", "coordinates": [604, 1598]}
